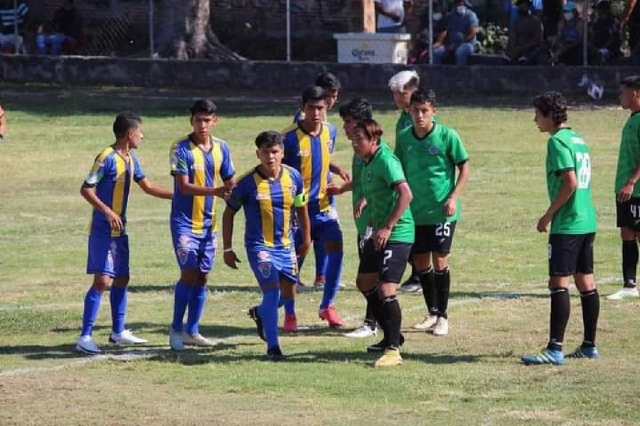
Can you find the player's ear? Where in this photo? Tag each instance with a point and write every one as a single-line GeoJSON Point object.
{"type": "Point", "coordinates": [258, 153]}
{"type": "Point", "coordinates": [215, 120]}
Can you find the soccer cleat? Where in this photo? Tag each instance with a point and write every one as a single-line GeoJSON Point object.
{"type": "Point", "coordinates": [253, 314]}
{"type": "Point", "coordinates": [125, 338]}
{"type": "Point", "coordinates": [428, 323]}
{"type": "Point", "coordinates": [624, 293]}
{"type": "Point", "coordinates": [331, 316]}
{"type": "Point", "coordinates": [547, 356]}
{"type": "Point", "coordinates": [290, 323]}
{"type": "Point", "coordinates": [86, 345]}
{"type": "Point", "coordinates": [319, 282]}
{"type": "Point", "coordinates": [275, 354]}
{"type": "Point", "coordinates": [442, 327]}
{"type": "Point", "coordinates": [582, 351]}
{"type": "Point", "coordinates": [365, 330]}
{"type": "Point", "coordinates": [199, 340]}
{"type": "Point", "coordinates": [390, 358]}
{"type": "Point", "coordinates": [382, 345]}
{"type": "Point", "coordinates": [176, 341]}
{"type": "Point", "coordinates": [411, 285]}
{"type": "Point", "coordinates": [302, 287]}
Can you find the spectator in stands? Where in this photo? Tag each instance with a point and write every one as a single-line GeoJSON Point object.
{"type": "Point", "coordinates": [567, 48]}
{"type": "Point", "coordinates": [66, 26]}
{"type": "Point", "coordinates": [420, 51]}
{"type": "Point", "coordinates": [459, 39]}
{"type": "Point", "coordinates": [606, 34]}
{"type": "Point", "coordinates": [390, 15]}
{"type": "Point", "coordinates": [513, 10]}
{"type": "Point", "coordinates": [9, 42]}
{"type": "Point", "coordinates": [631, 19]}
{"type": "Point", "coordinates": [525, 37]}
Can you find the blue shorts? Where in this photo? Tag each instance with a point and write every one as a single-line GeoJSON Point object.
{"type": "Point", "coordinates": [108, 256]}
{"type": "Point", "coordinates": [194, 252]}
{"type": "Point", "coordinates": [270, 265]}
{"type": "Point", "coordinates": [325, 227]}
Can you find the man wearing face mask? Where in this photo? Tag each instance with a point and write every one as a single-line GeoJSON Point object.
{"type": "Point", "coordinates": [460, 37]}
{"type": "Point", "coordinates": [525, 37]}
{"type": "Point", "coordinates": [567, 48]}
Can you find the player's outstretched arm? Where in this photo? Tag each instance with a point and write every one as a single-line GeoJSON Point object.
{"type": "Point", "coordinates": [305, 227]}
{"type": "Point", "coordinates": [230, 258]}
{"type": "Point", "coordinates": [88, 192]}
{"type": "Point", "coordinates": [334, 189]}
{"type": "Point", "coordinates": [186, 188]}
{"type": "Point", "coordinates": [337, 170]}
{"type": "Point", "coordinates": [154, 190]}
{"type": "Point", "coordinates": [567, 188]}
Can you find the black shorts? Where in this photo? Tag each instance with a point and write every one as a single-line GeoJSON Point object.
{"type": "Point", "coordinates": [431, 238]}
{"type": "Point", "coordinates": [628, 214]}
{"type": "Point", "coordinates": [360, 245]}
{"type": "Point", "coordinates": [389, 263]}
{"type": "Point", "coordinates": [570, 254]}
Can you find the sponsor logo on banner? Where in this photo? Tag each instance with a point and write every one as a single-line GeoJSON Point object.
{"type": "Point", "coordinates": [363, 52]}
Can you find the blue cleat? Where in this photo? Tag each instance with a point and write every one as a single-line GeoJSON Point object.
{"type": "Point", "coordinates": [546, 356]}
{"type": "Point", "coordinates": [582, 351]}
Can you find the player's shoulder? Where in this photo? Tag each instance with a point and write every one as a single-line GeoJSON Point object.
{"type": "Point", "coordinates": [293, 172]}
{"type": "Point", "coordinates": [406, 133]}
{"type": "Point", "coordinates": [106, 154]}
{"type": "Point", "coordinates": [290, 129]}
{"type": "Point", "coordinates": [182, 143]}
{"type": "Point", "coordinates": [219, 141]}
{"type": "Point", "coordinates": [246, 176]}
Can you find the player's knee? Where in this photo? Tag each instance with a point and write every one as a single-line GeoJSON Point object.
{"type": "Point", "coordinates": [333, 246]}
{"type": "Point", "coordinates": [440, 261]}
{"type": "Point", "coordinates": [386, 290]}
{"type": "Point", "coordinates": [101, 282]}
{"type": "Point", "coordinates": [120, 282]}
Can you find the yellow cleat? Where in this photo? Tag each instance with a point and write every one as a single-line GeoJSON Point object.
{"type": "Point", "coordinates": [391, 358]}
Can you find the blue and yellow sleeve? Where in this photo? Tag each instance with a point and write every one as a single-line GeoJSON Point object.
{"type": "Point", "coordinates": [300, 198]}
{"type": "Point", "coordinates": [138, 173]}
{"type": "Point", "coordinates": [237, 197]}
{"type": "Point", "coordinates": [97, 172]}
{"type": "Point", "coordinates": [180, 160]}
{"type": "Point", "coordinates": [227, 169]}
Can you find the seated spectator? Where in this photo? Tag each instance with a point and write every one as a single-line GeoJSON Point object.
{"type": "Point", "coordinates": [66, 28]}
{"type": "Point", "coordinates": [459, 39]}
{"type": "Point", "coordinates": [525, 37]}
{"type": "Point", "coordinates": [420, 51]}
{"type": "Point", "coordinates": [606, 35]}
{"type": "Point", "coordinates": [513, 11]}
{"type": "Point", "coordinates": [390, 15]}
{"type": "Point", "coordinates": [9, 41]}
{"type": "Point", "coordinates": [567, 48]}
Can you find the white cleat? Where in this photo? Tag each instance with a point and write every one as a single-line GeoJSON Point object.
{"type": "Point", "coordinates": [362, 332]}
{"type": "Point", "coordinates": [125, 338]}
{"type": "Point", "coordinates": [623, 293]}
{"type": "Point", "coordinates": [442, 327]}
{"type": "Point", "coordinates": [175, 340]}
{"type": "Point", "coordinates": [427, 324]}
{"type": "Point", "coordinates": [199, 340]}
{"type": "Point", "coordinates": [86, 345]}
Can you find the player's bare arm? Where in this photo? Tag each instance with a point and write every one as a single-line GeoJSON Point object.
{"type": "Point", "coordinates": [155, 190]}
{"type": "Point", "coordinates": [187, 188]}
{"type": "Point", "coordinates": [359, 207]}
{"type": "Point", "coordinates": [402, 203]}
{"type": "Point", "coordinates": [89, 193]}
{"type": "Point", "coordinates": [334, 189]}
{"type": "Point", "coordinates": [627, 190]}
{"type": "Point", "coordinates": [568, 187]}
{"type": "Point", "coordinates": [229, 256]}
{"type": "Point", "coordinates": [344, 174]}
{"type": "Point", "coordinates": [305, 226]}
{"type": "Point", "coordinates": [463, 178]}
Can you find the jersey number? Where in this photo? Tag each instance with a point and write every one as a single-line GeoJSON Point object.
{"type": "Point", "coordinates": [584, 169]}
{"type": "Point", "coordinates": [387, 256]}
{"type": "Point", "coordinates": [443, 229]}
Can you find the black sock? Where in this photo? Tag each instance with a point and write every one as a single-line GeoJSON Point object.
{"type": "Point", "coordinates": [629, 262]}
{"type": "Point", "coordinates": [560, 310]}
{"type": "Point", "coordinates": [590, 301]}
{"type": "Point", "coordinates": [374, 305]}
{"type": "Point", "coordinates": [369, 317]}
{"type": "Point", "coordinates": [393, 319]}
{"type": "Point", "coordinates": [443, 285]}
{"type": "Point", "coordinates": [428, 284]}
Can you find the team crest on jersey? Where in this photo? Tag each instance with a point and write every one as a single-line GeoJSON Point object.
{"type": "Point", "coordinates": [292, 190]}
{"type": "Point", "coordinates": [433, 150]}
{"type": "Point", "coordinates": [263, 255]}
{"type": "Point", "coordinates": [368, 176]}
{"type": "Point", "coordinates": [265, 269]}
{"type": "Point", "coordinates": [183, 254]}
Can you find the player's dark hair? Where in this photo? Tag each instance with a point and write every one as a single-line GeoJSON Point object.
{"type": "Point", "coordinates": [124, 123]}
{"type": "Point", "coordinates": [268, 139]}
{"type": "Point", "coordinates": [631, 82]}
{"type": "Point", "coordinates": [371, 128]}
{"type": "Point", "coordinates": [424, 96]}
{"type": "Point", "coordinates": [313, 93]}
{"type": "Point", "coordinates": [328, 81]}
{"type": "Point", "coordinates": [552, 104]}
{"type": "Point", "coordinates": [358, 108]}
{"type": "Point", "coordinates": [203, 106]}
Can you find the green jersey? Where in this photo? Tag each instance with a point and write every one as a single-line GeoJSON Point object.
{"type": "Point", "coordinates": [357, 167]}
{"type": "Point", "coordinates": [430, 165]}
{"type": "Point", "coordinates": [566, 150]}
{"type": "Point", "coordinates": [379, 176]}
{"type": "Point", "coordinates": [629, 156]}
{"type": "Point", "coordinates": [404, 121]}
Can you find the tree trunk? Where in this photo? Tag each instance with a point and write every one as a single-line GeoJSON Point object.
{"type": "Point", "coordinates": [186, 32]}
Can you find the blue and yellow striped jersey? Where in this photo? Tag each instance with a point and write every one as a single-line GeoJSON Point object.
{"type": "Point", "coordinates": [311, 156]}
{"type": "Point", "coordinates": [268, 206]}
{"type": "Point", "coordinates": [112, 176]}
{"type": "Point", "coordinates": [196, 214]}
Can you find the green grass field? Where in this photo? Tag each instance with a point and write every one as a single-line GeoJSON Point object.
{"type": "Point", "coordinates": [499, 306]}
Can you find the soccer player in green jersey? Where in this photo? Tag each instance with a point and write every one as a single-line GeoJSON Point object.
{"type": "Point", "coordinates": [573, 229]}
{"type": "Point", "coordinates": [430, 154]}
{"type": "Point", "coordinates": [387, 245]}
{"type": "Point", "coordinates": [627, 189]}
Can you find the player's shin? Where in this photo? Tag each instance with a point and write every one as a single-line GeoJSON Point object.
{"type": "Point", "coordinates": [374, 304]}
{"type": "Point", "coordinates": [590, 301]}
{"type": "Point", "coordinates": [393, 319]}
{"type": "Point", "coordinates": [332, 284]}
{"type": "Point", "coordinates": [91, 308]}
{"type": "Point", "coordinates": [629, 262]}
{"type": "Point", "coordinates": [560, 310]}
{"type": "Point", "coordinates": [118, 299]}
{"type": "Point", "coordinates": [268, 312]}
{"type": "Point", "coordinates": [181, 296]}
{"type": "Point", "coordinates": [428, 284]}
{"type": "Point", "coordinates": [443, 286]}
{"type": "Point", "coordinates": [197, 301]}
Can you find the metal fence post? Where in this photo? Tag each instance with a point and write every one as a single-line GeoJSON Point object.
{"type": "Point", "coordinates": [151, 40]}
{"type": "Point", "coordinates": [288, 12]}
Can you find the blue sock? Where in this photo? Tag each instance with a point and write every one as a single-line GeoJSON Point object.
{"type": "Point", "coordinates": [268, 311]}
{"type": "Point", "coordinates": [332, 283]}
{"type": "Point", "coordinates": [118, 299]}
{"type": "Point", "coordinates": [197, 300]}
{"type": "Point", "coordinates": [289, 306]}
{"type": "Point", "coordinates": [91, 308]}
{"type": "Point", "coordinates": [180, 300]}
{"type": "Point", "coordinates": [321, 258]}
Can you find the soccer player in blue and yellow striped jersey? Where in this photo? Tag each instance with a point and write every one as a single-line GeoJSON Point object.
{"type": "Point", "coordinates": [308, 145]}
{"type": "Point", "coordinates": [107, 188]}
{"type": "Point", "coordinates": [270, 194]}
{"type": "Point", "coordinates": [202, 170]}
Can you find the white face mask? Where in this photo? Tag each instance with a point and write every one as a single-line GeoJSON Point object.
{"type": "Point", "coordinates": [460, 10]}
{"type": "Point", "coordinates": [437, 16]}
{"type": "Point", "coordinates": [568, 16]}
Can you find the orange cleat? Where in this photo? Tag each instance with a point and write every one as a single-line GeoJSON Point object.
{"type": "Point", "coordinates": [331, 316]}
{"type": "Point", "coordinates": [290, 323]}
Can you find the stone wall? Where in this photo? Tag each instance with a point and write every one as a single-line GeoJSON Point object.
{"type": "Point", "coordinates": [488, 80]}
